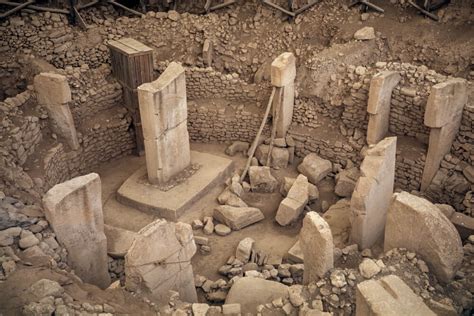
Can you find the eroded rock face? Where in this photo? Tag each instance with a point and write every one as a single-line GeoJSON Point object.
{"type": "Point", "coordinates": [338, 218]}
{"type": "Point", "coordinates": [419, 226]}
{"type": "Point", "coordinates": [294, 203]}
{"type": "Point", "coordinates": [159, 260]}
{"type": "Point", "coordinates": [262, 180]}
{"type": "Point", "coordinates": [315, 168]}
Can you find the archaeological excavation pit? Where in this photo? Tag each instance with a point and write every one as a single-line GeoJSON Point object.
{"type": "Point", "coordinates": [237, 157]}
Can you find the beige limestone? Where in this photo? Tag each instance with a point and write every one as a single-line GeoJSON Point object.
{"type": "Point", "coordinates": [163, 110]}
{"type": "Point", "coordinates": [283, 70]}
{"type": "Point", "coordinates": [74, 210]}
{"type": "Point", "coordinates": [389, 296]}
{"type": "Point", "coordinates": [373, 193]}
{"type": "Point", "coordinates": [293, 205]}
{"type": "Point", "coordinates": [237, 217]}
{"type": "Point", "coordinates": [380, 95]}
{"type": "Point", "coordinates": [317, 245]}
{"type": "Point", "coordinates": [159, 260]}
{"type": "Point", "coordinates": [419, 226]}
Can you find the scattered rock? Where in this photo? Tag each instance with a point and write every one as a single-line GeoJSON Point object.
{"type": "Point", "coordinates": [315, 168]}
{"type": "Point", "coordinates": [364, 34]}
{"type": "Point", "coordinates": [237, 217]}
{"type": "Point", "coordinates": [262, 180]}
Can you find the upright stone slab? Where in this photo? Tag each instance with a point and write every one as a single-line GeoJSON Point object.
{"type": "Point", "coordinates": [53, 92]}
{"type": "Point", "coordinates": [373, 193]}
{"type": "Point", "coordinates": [317, 246]}
{"type": "Point", "coordinates": [443, 115]}
{"type": "Point", "coordinates": [74, 210]}
{"type": "Point", "coordinates": [419, 226]}
{"type": "Point", "coordinates": [159, 260]}
{"type": "Point", "coordinates": [283, 74]}
{"type": "Point", "coordinates": [380, 95]}
{"type": "Point", "coordinates": [389, 296]}
{"type": "Point", "coordinates": [163, 109]}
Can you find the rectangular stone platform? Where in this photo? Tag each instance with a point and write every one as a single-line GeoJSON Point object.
{"type": "Point", "coordinates": [137, 193]}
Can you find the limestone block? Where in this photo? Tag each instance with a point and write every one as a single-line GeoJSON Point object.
{"type": "Point", "coordinates": [446, 101]}
{"type": "Point", "coordinates": [346, 181]}
{"type": "Point", "coordinates": [244, 249]}
{"type": "Point", "coordinates": [317, 246]}
{"type": "Point", "coordinates": [315, 168]}
{"type": "Point", "coordinates": [373, 193]}
{"type": "Point", "coordinates": [295, 254]}
{"type": "Point", "coordinates": [419, 226]}
{"type": "Point", "coordinates": [118, 240]}
{"type": "Point", "coordinates": [338, 217]}
{"type": "Point", "coordinates": [293, 205]}
{"type": "Point", "coordinates": [279, 159]}
{"type": "Point", "coordinates": [364, 34]}
{"type": "Point", "coordinates": [207, 50]}
{"type": "Point", "coordinates": [262, 180]}
{"type": "Point", "coordinates": [237, 217]}
{"type": "Point", "coordinates": [388, 296]}
{"type": "Point", "coordinates": [283, 70]}
{"type": "Point", "coordinates": [159, 260]}
{"type": "Point", "coordinates": [74, 210]}
{"type": "Point", "coordinates": [52, 89]}
{"type": "Point", "coordinates": [284, 100]}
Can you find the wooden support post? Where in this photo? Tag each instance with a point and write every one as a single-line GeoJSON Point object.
{"type": "Point", "coordinates": [428, 14]}
{"type": "Point", "coordinates": [222, 5]}
{"type": "Point", "coordinates": [292, 14]}
{"type": "Point", "coordinates": [18, 8]}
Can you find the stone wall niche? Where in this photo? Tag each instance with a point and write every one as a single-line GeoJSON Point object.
{"type": "Point", "coordinates": [283, 74]}
{"type": "Point", "coordinates": [163, 110]}
{"type": "Point", "coordinates": [380, 95]}
{"type": "Point", "coordinates": [443, 115]}
{"type": "Point", "coordinates": [53, 92]}
{"type": "Point", "coordinates": [74, 210]}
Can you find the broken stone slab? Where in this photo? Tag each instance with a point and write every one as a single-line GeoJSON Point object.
{"type": "Point", "coordinates": [237, 147]}
{"type": "Point", "coordinates": [280, 156]}
{"type": "Point", "coordinates": [74, 211]}
{"type": "Point", "coordinates": [364, 34]}
{"type": "Point", "coordinates": [262, 180]}
{"type": "Point", "coordinates": [338, 217]}
{"type": "Point", "coordinates": [293, 205]}
{"type": "Point", "coordinates": [119, 240]}
{"type": "Point", "coordinates": [159, 260]}
{"type": "Point", "coordinates": [346, 181]}
{"type": "Point", "coordinates": [231, 199]}
{"type": "Point", "coordinates": [388, 296]}
{"type": "Point", "coordinates": [317, 246]}
{"type": "Point", "coordinates": [419, 226]}
{"type": "Point", "coordinates": [244, 249]}
{"type": "Point", "coordinates": [315, 168]}
{"type": "Point", "coordinates": [237, 217]}
{"type": "Point", "coordinates": [251, 292]}
{"type": "Point", "coordinates": [373, 193]}
{"type": "Point", "coordinates": [313, 192]}
{"type": "Point", "coordinates": [295, 254]}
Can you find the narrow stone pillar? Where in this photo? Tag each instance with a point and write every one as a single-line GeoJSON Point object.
{"type": "Point", "coordinates": [132, 65]}
{"type": "Point", "coordinates": [53, 92]}
{"type": "Point", "coordinates": [283, 73]}
{"type": "Point", "coordinates": [380, 95]}
{"type": "Point", "coordinates": [443, 115]}
{"type": "Point", "coordinates": [317, 247]}
{"type": "Point", "coordinates": [164, 112]}
{"type": "Point", "coordinates": [373, 192]}
{"type": "Point", "coordinates": [74, 210]}
{"type": "Point", "coordinates": [159, 260]}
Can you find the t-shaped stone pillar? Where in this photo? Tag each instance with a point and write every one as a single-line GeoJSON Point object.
{"type": "Point", "coordinates": [283, 72]}
{"type": "Point", "coordinates": [53, 92]}
{"type": "Point", "coordinates": [443, 115]}
{"type": "Point", "coordinates": [164, 112]}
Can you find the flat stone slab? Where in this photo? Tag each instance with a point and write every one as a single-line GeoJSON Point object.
{"type": "Point", "coordinates": [171, 204]}
{"type": "Point", "coordinates": [119, 240]}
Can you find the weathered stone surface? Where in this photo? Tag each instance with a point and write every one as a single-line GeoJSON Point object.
{"type": "Point", "coordinates": [74, 210]}
{"type": "Point", "coordinates": [292, 206]}
{"type": "Point", "coordinates": [315, 168]}
{"type": "Point", "coordinates": [364, 34]}
{"type": "Point", "coordinates": [419, 226]}
{"type": "Point", "coordinates": [250, 292]}
{"type": "Point", "coordinates": [237, 147]}
{"type": "Point", "coordinates": [118, 240]}
{"type": "Point", "coordinates": [279, 159]}
{"type": "Point", "coordinates": [222, 230]}
{"type": "Point", "coordinates": [338, 217]}
{"type": "Point", "coordinates": [388, 296]}
{"type": "Point", "coordinates": [295, 254]}
{"type": "Point", "coordinates": [369, 268]}
{"type": "Point", "coordinates": [7, 236]}
{"type": "Point", "coordinates": [151, 262]}
{"type": "Point", "coordinates": [317, 246]}
{"type": "Point", "coordinates": [45, 287]}
{"type": "Point", "coordinates": [283, 71]}
{"type": "Point", "coordinates": [262, 180]}
{"type": "Point", "coordinates": [231, 199]}
{"type": "Point", "coordinates": [237, 217]}
{"type": "Point", "coordinates": [380, 95]}
{"type": "Point", "coordinates": [373, 193]}
{"type": "Point", "coordinates": [244, 249]}
{"type": "Point", "coordinates": [163, 111]}
{"type": "Point", "coordinates": [346, 181]}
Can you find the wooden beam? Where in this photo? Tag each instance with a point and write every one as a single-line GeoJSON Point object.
{"type": "Point", "coordinates": [292, 14]}
{"type": "Point", "coordinates": [17, 8]}
{"type": "Point", "coordinates": [222, 5]}
{"type": "Point", "coordinates": [428, 14]}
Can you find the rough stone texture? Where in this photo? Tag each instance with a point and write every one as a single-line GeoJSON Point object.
{"type": "Point", "coordinates": [380, 95]}
{"type": "Point", "coordinates": [419, 226]}
{"type": "Point", "coordinates": [373, 193]}
{"type": "Point", "coordinates": [338, 217]}
{"type": "Point", "coordinates": [237, 217]}
{"type": "Point", "coordinates": [443, 114]}
{"type": "Point", "coordinates": [365, 33]}
{"type": "Point", "coordinates": [262, 180]}
{"type": "Point", "coordinates": [315, 168]}
{"type": "Point", "coordinates": [250, 292]}
{"type": "Point", "coordinates": [346, 181]}
{"type": "Point", "coordinates": [317, 245]}
{"type": "Point", "coordinates": [159, 260]}
{"type": "Point", "coordinates": [163, 111]}
{"type": "Point", "coordinates": [54, 94]}
{"type": "Point", "coordinates": [295, 254]}
{"type": "Point", "coordinates": [388, 296]}
{"type": "Point", "coordinates": [74, 211]}
{"type": "Point", "coordinates": [244, 249]}
{"type": "Point", "coordinates": [280, 156]}
{"type": "Point", "coordinates": [293, 205]}
{"type": "Point", "coordinates": [119, 240]}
